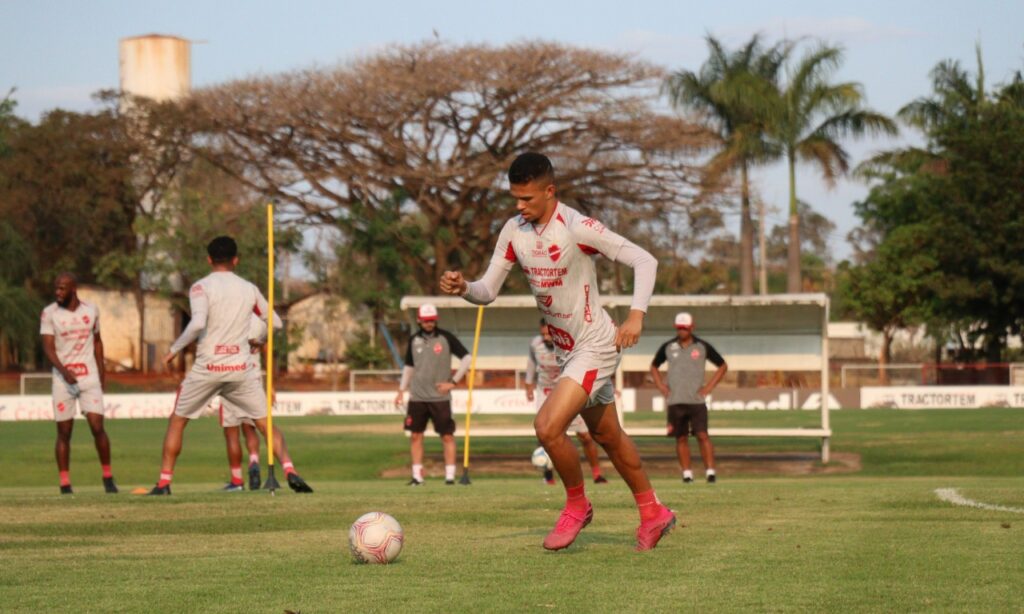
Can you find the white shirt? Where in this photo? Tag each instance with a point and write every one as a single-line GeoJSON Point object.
{"type": "Point", "coordinates": [542, 364]}
{"type": "Point", "coordinates": [222, 308]}
{"type": "Point", "coordinates": [73, 335]}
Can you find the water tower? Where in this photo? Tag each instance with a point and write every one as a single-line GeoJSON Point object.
{"type": "Point", "coordinates": [156, 66]}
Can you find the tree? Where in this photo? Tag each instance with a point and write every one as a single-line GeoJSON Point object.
{"type": "Point", "coordinates": [439, 124]}
{"type": "Point", "coordinates": [808, 118]}
{"type": "Point", "coordinates": [731, 90]}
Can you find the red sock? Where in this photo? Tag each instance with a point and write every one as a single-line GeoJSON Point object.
{"type": "Point", "coordinates": [106, 471]}
{"type": "Point", "coordinates": [575, 499]}
{"type": "Point", "coordinates": [236, 475]}
{"type": "Point", "coordinates": [648, 505]}
{"type": "Point", "coordinates": [165, 478]}
{"type": "Point", "coordinates": [65, 478]}
{"type": "Point", "coordinates": [288, 468]}
{"type": "Point", "coordinates": [596, 471]}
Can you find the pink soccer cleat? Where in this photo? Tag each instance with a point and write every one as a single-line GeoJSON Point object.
{"type": "Point", "coordinates": [650, 532]}
{"type": "Point", "coordinates": [567, 528]}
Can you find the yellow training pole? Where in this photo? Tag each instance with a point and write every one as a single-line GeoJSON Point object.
{"type": "Point", "coordinates": [271, 481]}
{"type": "Point", "coordinates": [469, 394]}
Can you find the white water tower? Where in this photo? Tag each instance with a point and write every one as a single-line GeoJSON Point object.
{"type": "Point", "coordinates": [156, 66]}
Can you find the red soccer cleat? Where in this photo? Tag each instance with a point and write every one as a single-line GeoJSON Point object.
{"type": "Point", "coordinates": [567, 528]}
{"type": "Point", "coordinates": [650, 532]}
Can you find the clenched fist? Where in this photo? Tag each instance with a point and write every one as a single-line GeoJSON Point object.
{"type": "Point", "coordinates": [453, 283]}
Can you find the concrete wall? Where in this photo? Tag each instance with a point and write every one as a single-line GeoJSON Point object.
{"type": "Point", "coordinates": [119, 324]}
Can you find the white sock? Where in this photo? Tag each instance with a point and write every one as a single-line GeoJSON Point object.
{"type": "Point", "coordinates": [687, 474]}
{"type": "Point", "coordinates": [449, 472]}
{"type": "Point", "coordinates": [710, 471]}
{"type": "Point", "coordinates": [417, 473]}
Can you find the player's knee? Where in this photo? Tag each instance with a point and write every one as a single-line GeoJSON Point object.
{"type": "Point", "coordinates": [547, 432]}
{"type": "Point", "coordinates": [703, 436]}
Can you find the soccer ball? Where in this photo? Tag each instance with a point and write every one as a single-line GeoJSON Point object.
{"type": "Point", "coordinates": [375, 538]}
{"type": "Point", "coordinates": [540, 459]}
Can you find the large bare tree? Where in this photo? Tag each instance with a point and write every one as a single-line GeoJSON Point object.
{"type": "Point", "coordinates": [436, 125]}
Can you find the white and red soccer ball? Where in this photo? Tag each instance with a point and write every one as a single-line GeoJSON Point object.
{"type": "Point", "coordinates": [375, 538]}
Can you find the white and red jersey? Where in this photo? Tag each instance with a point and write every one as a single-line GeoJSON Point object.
{"type": "Point", "coordinates": [73, 334]}
{"type": "Point", "coordinates": [558, 260]}
{"type": "Point", "coordinates": [222, 308]}
{"type": "Point", "coordinates": [542, 364]}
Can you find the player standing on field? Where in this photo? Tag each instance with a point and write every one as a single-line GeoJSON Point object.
{"type": "Point", "coordinates": [427, 375]}
{"type": "Point", "coordinates": [555, 247]}
{"type": "Point", "coordinates": [222, 304]}
{"type": "Point", "coordinates": [685, 393]}
{"type": "Point", "coordinates": [542, 371]}
{"type": "Point", "coordinates": [71, 341]}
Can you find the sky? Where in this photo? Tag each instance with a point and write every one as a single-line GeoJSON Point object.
{"type": "Point", "coordinates": [57, 53]}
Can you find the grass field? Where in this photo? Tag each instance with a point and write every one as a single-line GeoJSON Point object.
{"type": "Point", "coordinates": [876, 539]}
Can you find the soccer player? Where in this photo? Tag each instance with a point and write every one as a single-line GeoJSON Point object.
{"type": "Point", "coordinates": [427, 375]}
{"type": "Point", "coordinates": [233, 419]}
{"type": "Point", "coordinates": [542, 371]}
{"type": "Point", "coordinates": [555, 246]}
{"type": "Point", "coordinates": [222, 304]}
{"type": "Point", "coordinates": [685, 392]}
{"type": "Point", "coordinates": [71, 341]}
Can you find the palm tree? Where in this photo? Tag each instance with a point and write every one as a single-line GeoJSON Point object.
{"type": "Point", "coordinates": [730, 89]}
{"type": "Point", "coordinates": [809, 116]}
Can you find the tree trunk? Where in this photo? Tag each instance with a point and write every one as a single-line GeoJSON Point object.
{"type": "Point", "coordinates": [762, 249]}
{"type": "Point", "coordinates": [4, 353]}
{"type": "Point", "coordinates": [140, 307]}
{"type": "Point", "coordinates": [746, 235]}
{"type": "Point", "coordinates": [793, 280]}
{"type": "Point", "coordinates": [885, 357]}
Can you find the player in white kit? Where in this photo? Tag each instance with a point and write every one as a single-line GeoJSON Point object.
{"type": "Point", "coordinates": [542, 371]}
{"type": "Point", "coordinates": [222, 304]}
{"type": "Point", "coordinates": [71, 341]}
{"type": "Point", "coordinates": [555, 246]}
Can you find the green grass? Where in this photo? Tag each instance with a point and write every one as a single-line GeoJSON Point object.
{"type": "Point", "coordinates": [875, 540]}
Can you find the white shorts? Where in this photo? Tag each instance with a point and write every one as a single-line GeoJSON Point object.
{"type": "Point", "coordinates": [576, 426]}
{"type": "Point", "coordinates": [229, 414]}
{"type": "Point", "coordinates": [595, 372]}
{"type": "Point", "coordinates": [86, 395]}
{"type": "Point", "coordinates": [245, 395]}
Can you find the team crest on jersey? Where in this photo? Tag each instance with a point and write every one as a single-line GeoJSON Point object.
{"type": "Point", "coordinates": [561, 338]}
{"type": "Point", "coordinates": [437, 348]}
{"type": "Point", "coordinates": [85, 319]}
{"type": "Point", "coordinates": [695, 353]}
{"type": "Point", "coordinates": [554, 252]}
{"type": "Point", "coordinates": [60, 406]}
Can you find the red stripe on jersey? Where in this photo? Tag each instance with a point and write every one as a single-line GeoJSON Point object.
{"type": "Point", "coordinates": [560, 218]}
{"type": "Point", "coordinates": [177, 394]}
{"type": "Point", "coordinates": [220, 413]}
{"type": "Point", "coordinates": [510, 254]}
{"type": "Point", "coordinates": [256, 310]}
{"type": "Point", "coordinates": [586, 249]}
{"type": "Point", "coordinates": [588, 380]}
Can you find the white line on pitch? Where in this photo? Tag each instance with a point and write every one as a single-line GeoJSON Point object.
{"type": "Point", "coordinates": [952, 495]}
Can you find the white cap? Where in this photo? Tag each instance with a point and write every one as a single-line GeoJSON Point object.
{"type": "Point", "coordinates": [427, 313]}
{"type": "Point", "coordinates": [684, 320]}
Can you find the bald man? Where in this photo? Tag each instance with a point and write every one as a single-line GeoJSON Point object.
{"type": "Point", "coordinates": [71, 341]}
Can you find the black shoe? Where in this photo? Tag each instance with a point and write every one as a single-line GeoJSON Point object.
{"type": "Point", "coordinates": [160, 490]}
{"type": "Point", "coordinates": [109, 487]}
{"type": "Point", "coordinates": [254, 476]}
{"type": "Point", "coordinates": [66, 490]}
{"type": "Point", "coordinates": [600, 480]}
{"type": "Point", "coordinates": [687, 480]}
{"type": "Point", "coordinates": [415, 482]}
{"type": "Point", "coordinates": [298, 484]}
{"type": "Point", "coordinates": [449, 482]}
{"type": "Point", "coordinates": [549, 476]}
{"type": "Point", "coordinates": [711, 479]}
{"type": "Point", "coordinates": [231, 487]}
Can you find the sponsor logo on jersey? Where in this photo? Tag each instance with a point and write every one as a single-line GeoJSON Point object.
{"type": "Point", "coordinates": [226, 368]}
{"type": "Point", "coordinates": [695, 353]}
{"type": "Point", "coordinates": [588, 317]}
{"type": "Point", "coordinates": [437, 348]}
{"type": "Point", "coordinates": [561, 338]}
{"type": "Point", "coordinates": [596, 226]}
{"type": "Point", "coordinates": [556, 314]}
{"type": "Point", "coordinates": [546, 283]}
{"type": "Point", "coordinates": [544, 300]}
{"type": "Point", "coordinates": [226, 350]}
{"type": "Point", "coordinates": [78, 369]}
{"type": "Point", "coordinates": [196, 290]}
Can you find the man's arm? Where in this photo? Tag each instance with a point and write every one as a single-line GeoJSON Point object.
{"type": "Point", "coordinates": [716, 359]}
{"type": "Point", "coordinates": [50, 349]}
{"type": "Point", "coordinates": [484, 290]}
{"type": "Point", "coordinates": [199, 304]}
{"type": "Point", "coordinates": [407, 370]}
{"type": "Point", "coordinates": [659, 359]}
{"type": "Point", "coordinates": [531, 373]}
{"type": "Point", "coordinates": [97, 352]}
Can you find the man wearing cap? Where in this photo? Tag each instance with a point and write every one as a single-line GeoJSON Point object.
{"type": "Point", "coordinates": [427, 375]}
{"type": "Point", "coordinates": [685, 392]}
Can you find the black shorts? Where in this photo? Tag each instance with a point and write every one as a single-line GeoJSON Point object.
{"type": "Point", "coordinates": [438, 412]}
{"type": "Point", "coordinates": [685, 419]}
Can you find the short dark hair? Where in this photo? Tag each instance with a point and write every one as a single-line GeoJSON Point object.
{"type": "Point", "coordinates": [222, 250]}
{"type": "Point", "coordinates": [542, 322]}
{"type": "Point", "coordinates": [530, 167]}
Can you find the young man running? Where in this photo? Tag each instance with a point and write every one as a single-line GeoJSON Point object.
{"type": "Point", "coordinates": [222, 304]}
{"type": "Point", "coordinates": [427, 375]}
{"type": "Point", "coordinates": [555, 247]}
{"type": "Point", "coordinates": [542, 372]}
{"type": "Point", "coordinates": [686, 354]}
{"type": "Point", "coordinates": [71, 341]}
